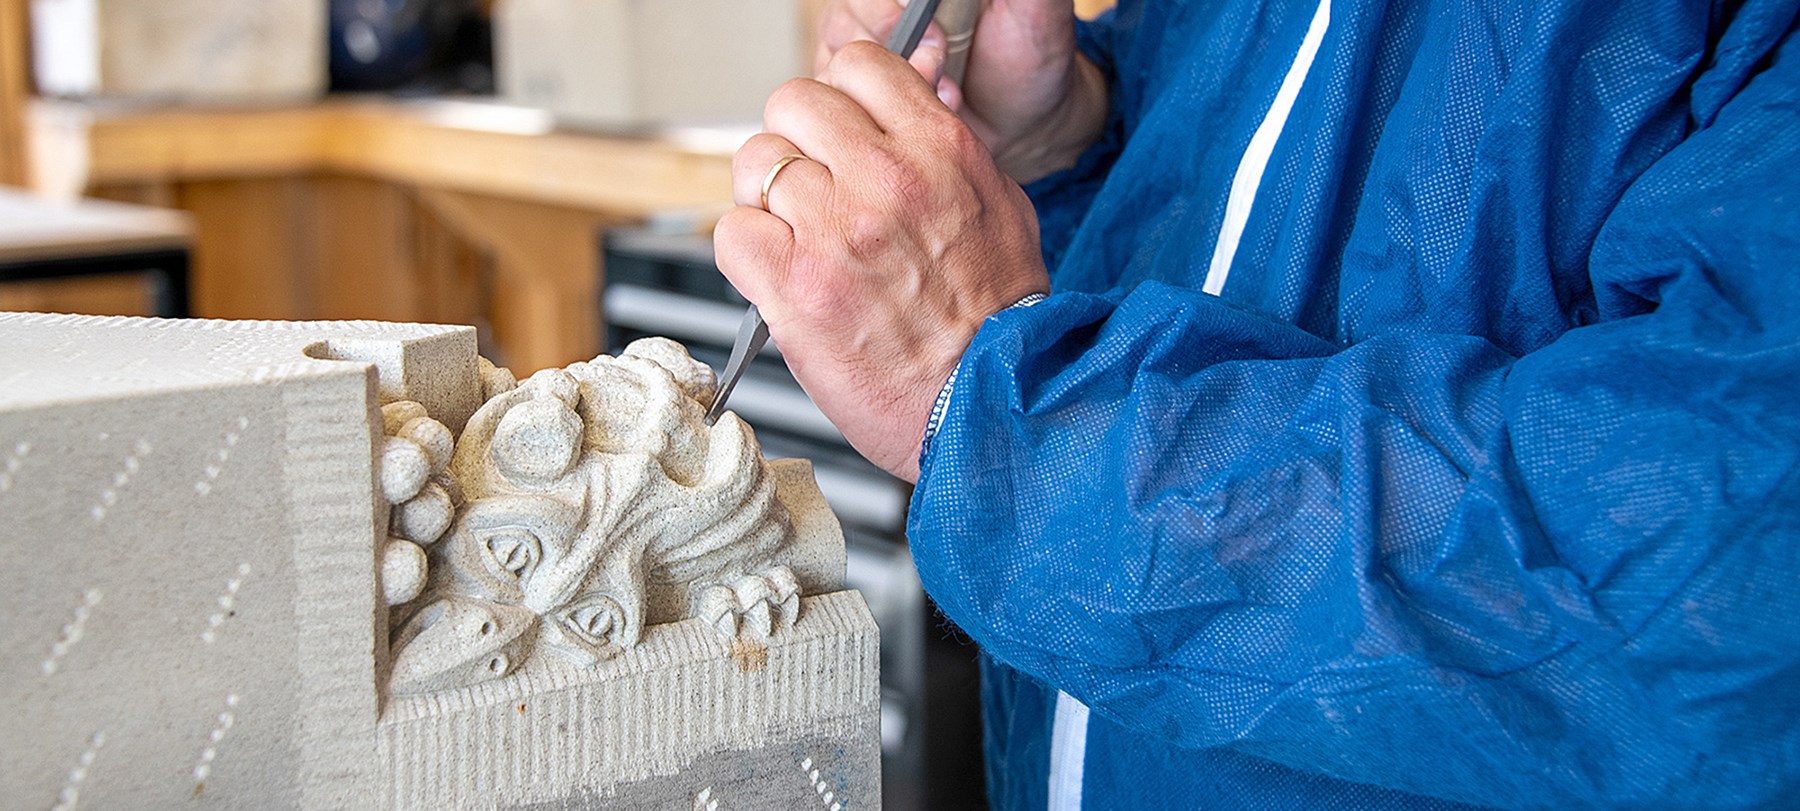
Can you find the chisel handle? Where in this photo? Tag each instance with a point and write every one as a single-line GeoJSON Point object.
{"type": "Point", "coordinates": [957, 18]}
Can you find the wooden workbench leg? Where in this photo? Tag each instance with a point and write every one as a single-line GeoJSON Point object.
{"type": "Point", "coordinates": [251, 248]}
{"type": "Point", "coordinates": [172, 298]}
{"type": "Point", "coordinates": [546, 292]}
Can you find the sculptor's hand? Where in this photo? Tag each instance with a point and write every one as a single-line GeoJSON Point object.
{"type": "Point", "coordinates": [883, 252]}
{"type": "Point", "coordinates": [1031, 96]}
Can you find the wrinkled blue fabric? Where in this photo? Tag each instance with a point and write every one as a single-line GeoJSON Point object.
{"type": "Point", "coordinates": [1476, 484]}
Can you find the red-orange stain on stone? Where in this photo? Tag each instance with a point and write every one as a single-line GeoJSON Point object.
{"type": "Point", "coordinates": [750, 658]}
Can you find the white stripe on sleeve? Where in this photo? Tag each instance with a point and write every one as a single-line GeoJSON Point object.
{"type": "Point", "coordinates": [1256, 156]}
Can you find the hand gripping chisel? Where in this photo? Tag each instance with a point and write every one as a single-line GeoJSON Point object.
{"type": "Point", "coordinates": [957, 19]}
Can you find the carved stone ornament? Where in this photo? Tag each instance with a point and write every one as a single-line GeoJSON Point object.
{"type": "Point", "coordinates": [575, 508]}
{"type": "Point", "coordinates": [326, 565]}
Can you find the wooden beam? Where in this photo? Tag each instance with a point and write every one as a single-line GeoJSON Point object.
{"type": "Point", "coordinates": [482, 149]}
{"type": "Point", "coordinates": [438, 211]}
{"type": "Point", "coordinates": [15, 88]}
{"type": "Point", "coordinates": [131, 294]}
{"type": "Point", "coordinates": [545, 298]}
{"type": "Point", "coordinates": [250, 249]}
{"type": "Point", "coordinates": [364, 263]}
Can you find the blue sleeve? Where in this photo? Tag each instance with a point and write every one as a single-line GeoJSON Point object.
{"type": "Point", "coordinates": [1566, 579]}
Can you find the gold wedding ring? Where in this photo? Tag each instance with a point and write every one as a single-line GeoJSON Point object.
{"type": "Point", "coordinates": [769, 179]}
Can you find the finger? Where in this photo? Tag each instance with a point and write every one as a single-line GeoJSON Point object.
{"type": "Point", "coordinates": [950, 93]}
{"type": "Point", "coordinates": [891, 90]}
{"type": "Point", "coordinates": [792, 193]}
{"type": "Point", "coordinates": [929, 57]}
{"type": "Point", "coordinates": [825, 124]}
{"type": "Point", "coordinates": [752, 163]}
{"type": "Point", "coordinates": [843, 26]}
{"type": "Point", "coordinates": [752, 248]}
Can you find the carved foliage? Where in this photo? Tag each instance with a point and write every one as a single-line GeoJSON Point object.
{"type": "Point", "coordinates": [585, 499]}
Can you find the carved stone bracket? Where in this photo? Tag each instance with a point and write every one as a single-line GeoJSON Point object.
{"type": "Point", "coordinates": [575, 508]}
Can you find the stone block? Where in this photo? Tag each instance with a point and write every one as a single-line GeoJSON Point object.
{"type": "Point", "coordinates": [614, 63]}
{"type": "Point", "coordinates": [180, 49]}
{"type": "Point", "coordinates": [207, 606]}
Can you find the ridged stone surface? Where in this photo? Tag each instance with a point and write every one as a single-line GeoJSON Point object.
{"type": "Point", "coordinates": [633, 730]}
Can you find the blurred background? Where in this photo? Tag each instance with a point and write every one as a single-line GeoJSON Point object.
{"type": "Point", "coordinates": [547, 170]}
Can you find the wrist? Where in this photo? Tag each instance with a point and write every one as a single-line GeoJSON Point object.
{"type": "Point", "coordinates": [1070, 128]}
{"type": "Point", "coordinates": [941, 404]}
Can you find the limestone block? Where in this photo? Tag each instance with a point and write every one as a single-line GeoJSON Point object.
{"type": "Point", "coordinates": [223, 580]}
{"type": "Point", "coordinates": [180, 49]}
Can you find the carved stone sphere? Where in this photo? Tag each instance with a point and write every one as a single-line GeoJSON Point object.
{"type": "Point", "coordinates": [557, 383]}
{"type": "Point", "coordinates": [537, 441]}
{"type": "Point", "coordinates": [402, 571]}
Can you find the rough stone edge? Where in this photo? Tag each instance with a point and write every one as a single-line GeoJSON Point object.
{"type": "Point", "coordinates": [842, 639]}
{"type": "Point", "coordinates": [817, 554]}
{"type": "Point", "coordinates": [417, 344]}
{"type": "Point", "coordinates": [369, 328]}
{"type": "Point", "coordinates": [328, 460]}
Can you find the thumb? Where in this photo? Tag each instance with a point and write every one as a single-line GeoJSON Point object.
{"type": "Point", "coordinates": [950, 93]}
{"type": "Point", "coordinates": [928, 58]}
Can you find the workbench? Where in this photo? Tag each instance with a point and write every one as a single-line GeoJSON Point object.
{"type": "Point", "coordinates": [42, 240]}
{"type": "Point", "coordinates": [437, 211]}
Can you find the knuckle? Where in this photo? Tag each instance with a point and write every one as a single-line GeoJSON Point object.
{"type": "Point", "coordinates": [956, 137]}
{"type": "Point", "coordinates": [743, 161]}
{"type": "Point", "coordinates": [758, 154]}
{"type": "Point", "coordinates": [746, 177]}
{"type": "Point", "coordinates": [868, 233]}
{"type": "Point", "coordinates": [728, 242]}
{"type": "Point", "coordinates": [790, 96]}
{"type": "Point", "coordinates": [733, 224]}
{"type": "Point", "coordinates": [733, 232]}
{"type": "Point", "coordinates": [859, 55]}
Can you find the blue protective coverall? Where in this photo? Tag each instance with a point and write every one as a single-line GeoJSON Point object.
{"type": "Point", "coordinates": [1476, 482]}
